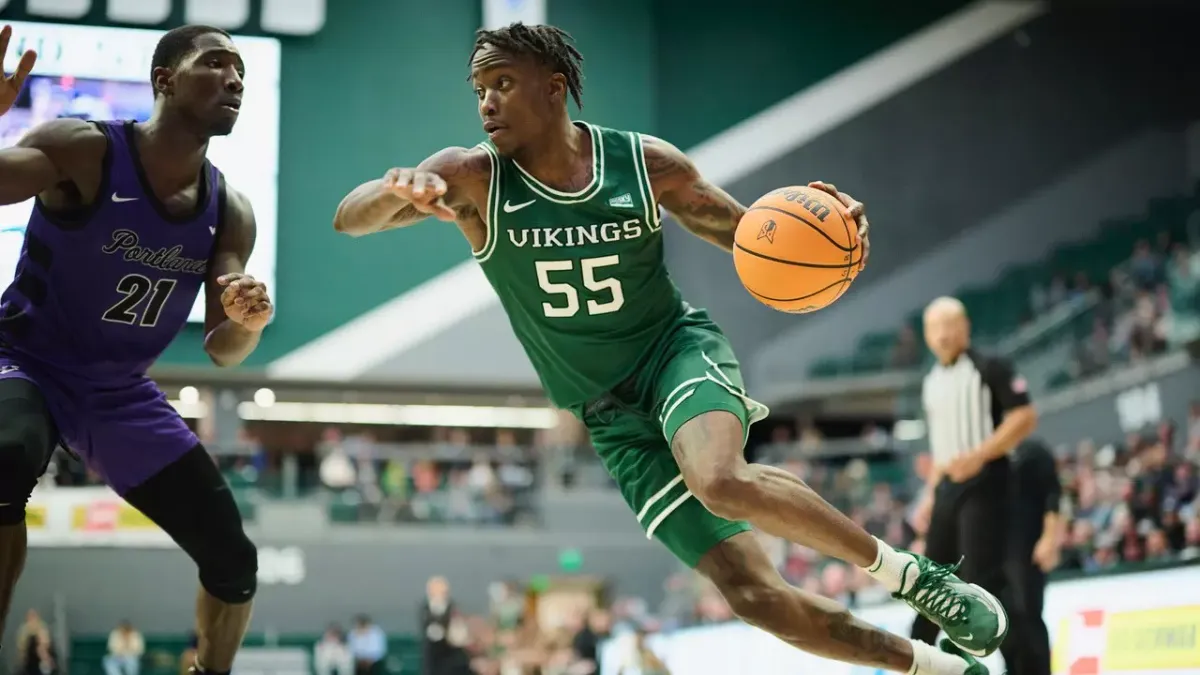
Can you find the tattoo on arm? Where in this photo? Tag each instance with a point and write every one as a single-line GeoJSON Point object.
{"type": "Point", "coordinates": [463, 170]}
{"type": "Point", "coordinates": [871, 643]}
{"type": "Point", "coordinates": [701, 207]}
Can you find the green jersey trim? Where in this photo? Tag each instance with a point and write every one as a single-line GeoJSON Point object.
{"type": "Point", "coordinates": [639, 159]}
{"type": "Point", "coordinates": [558, 196]}
{"type": "Point", "coordinates": [493, 201]}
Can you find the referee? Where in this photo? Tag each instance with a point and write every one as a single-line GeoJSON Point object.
{"type": "Point", "coordinates": [1034, 550]}
{"type": "Point", "coordinates": [977, 411]}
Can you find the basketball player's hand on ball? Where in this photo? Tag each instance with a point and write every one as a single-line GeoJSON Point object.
{"type": "Point", "coordinates": [857, 212]}
{"type": "Point", "coordinates": [246, 301]}
{"type": "Point", "coordinates": [11, 85]}
{"type": "Point", "coordinates": [425, 190]}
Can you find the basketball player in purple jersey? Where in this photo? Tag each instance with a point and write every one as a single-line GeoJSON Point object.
{"type": "Point", "coordinates": [130, 221]}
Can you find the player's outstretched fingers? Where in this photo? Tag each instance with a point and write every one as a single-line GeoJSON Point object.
{"type": "Point", "coordinates": [419, 181]}
{"type": "Point", "coordinates": [398, 181]}
{"type": "Point", "coordinates": [826, 187]}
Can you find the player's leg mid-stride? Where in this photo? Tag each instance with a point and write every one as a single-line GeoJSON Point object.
{"type": "Point", "coordinates": [672, 438]}
{"type": "Point", "coordinates": [708, 450]}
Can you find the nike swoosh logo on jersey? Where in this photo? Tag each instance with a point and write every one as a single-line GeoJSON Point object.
{"type": "Point", "coordinates": [513, 208]}
{"type": "Point", "coordinates": [118, 199]}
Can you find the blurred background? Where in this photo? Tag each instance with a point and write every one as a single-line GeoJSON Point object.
{"type": "Point", "coordinates": [418, 505]}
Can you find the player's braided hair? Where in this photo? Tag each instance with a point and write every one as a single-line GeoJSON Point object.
{"type": "Point", "coordinates": [551, 46]}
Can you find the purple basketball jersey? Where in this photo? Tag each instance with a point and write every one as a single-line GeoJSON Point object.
{"type": "Point", "coordinates": [96, 298]}
{"type": "Point", "coordinates": [104, 294]}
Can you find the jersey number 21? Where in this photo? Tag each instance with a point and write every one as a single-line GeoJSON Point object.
{"type": "Point", "coordinates": [588, 268]}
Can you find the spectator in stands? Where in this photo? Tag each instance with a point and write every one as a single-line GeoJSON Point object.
{"type": "Point", "coordinates": [1145, 265]}
{"type": "Point", "coordinates": [907, 352]}
{"type": "Point", "coordinates": [507, 604]}
{"type": "Point", "coordinates": [1191, 548]}
{"type": "Point", "coordinates": [810, 436]}
{"type": "Point", "coordinates": [125, 649]}
{"type": "Point", "coordinates": [586, 643]}
{"type": "Point", "coordinates": [368, 646]}
{"type": "Point", "coordinates": [1173, 530]}
{"type": "Point", "coordinates": [361, 449]}
{"type": "Point", "coordinates": [436, 614]}
{"type": "Point", "coordinates": [1193, 432]}
{"type": "Point", "coordinates": [641, 659]}
{"type": "Point", "coordinates": [331, 654]}
{"type": "Point", "coordinates": [834, 583]}
{"type": "Point", "coordinates": [1080, 287]}
{"type": "Point", "coordinates": [35, 652]}
{"type": "Point", "coordinates": [1156, 548]}
{"type": "Point", "coordinates": [1147, 336]}
{"type": "Point", "coordinates": [874, 436]}
{"type": "Point", "coordinates": [394, 487]}
{"type": "Point", "coordinates": [1043, 299]}
{"type": "Point", "coordinates": [337, 470]}
{"type": "Point", "coordinates": [1183, 489]}
{"type": "Point", "coordinates": [39, 656]}
{"type": "Point", "coordinates": [1183, 274]}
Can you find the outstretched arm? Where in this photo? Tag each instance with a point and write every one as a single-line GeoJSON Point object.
{"type": "Point", "coordinates": [440, 186]}
{"type": "Point", "coordinates": [702, 208]}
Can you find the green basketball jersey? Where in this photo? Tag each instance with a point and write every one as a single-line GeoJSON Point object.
{"type": "Point", "coordinates": [581, 274]}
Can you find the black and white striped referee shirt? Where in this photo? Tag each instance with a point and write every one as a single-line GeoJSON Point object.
{"type": "Point", "coordinates": [966, 400]}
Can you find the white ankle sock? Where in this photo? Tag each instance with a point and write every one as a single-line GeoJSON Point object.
{"type": "Point", "coordinates": [929, 660]}
{"type": "Point", "coordinates": [895, 570]}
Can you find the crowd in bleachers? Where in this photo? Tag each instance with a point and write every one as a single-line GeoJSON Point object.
{"type": "Point", "coordinates": [1127, 294]}
{"type": "Point", "coordinates": [1147, 305]}
{"type": "Point", "coordinates": [450, 479]}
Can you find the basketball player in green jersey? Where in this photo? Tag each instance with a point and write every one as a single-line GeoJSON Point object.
{"type": "Point", "coordinates": [564, 219]}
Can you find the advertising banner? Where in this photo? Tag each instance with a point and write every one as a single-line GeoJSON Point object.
{"type": "Point", "coordinates": [91, 516]}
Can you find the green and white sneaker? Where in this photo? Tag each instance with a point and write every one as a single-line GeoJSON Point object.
{"type": "Point", "coordinates": [972, 618]}
{"type": "Point", "coordinates": [973, 667]}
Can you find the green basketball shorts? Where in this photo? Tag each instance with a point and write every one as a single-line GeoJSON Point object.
{"type": "Point", "coordinates": [692, 372]}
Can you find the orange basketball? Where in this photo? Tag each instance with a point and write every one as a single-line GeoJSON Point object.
{"type": "Point", "coordinates": [797, 249]}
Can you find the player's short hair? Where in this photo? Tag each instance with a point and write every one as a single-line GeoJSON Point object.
{"type": "Point", "coordinates": [549, 45]}
{"type": "Point", "coordinates": [178, 43]}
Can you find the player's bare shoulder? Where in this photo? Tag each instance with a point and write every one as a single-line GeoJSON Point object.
{"type": "Point", "coordinates": [666, 165]}
{"type": "Point", "coordinates": [467, 172]}
{"type": "Point", "coordinates": [62, 133]}
{"type": "Point", "coordinates": [75, 149]}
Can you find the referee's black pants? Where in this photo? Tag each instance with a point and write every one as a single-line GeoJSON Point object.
{"type": "Point", "coordinates": [970, 522]}
{"type": "Point", "coordinates": [1027, 648]}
